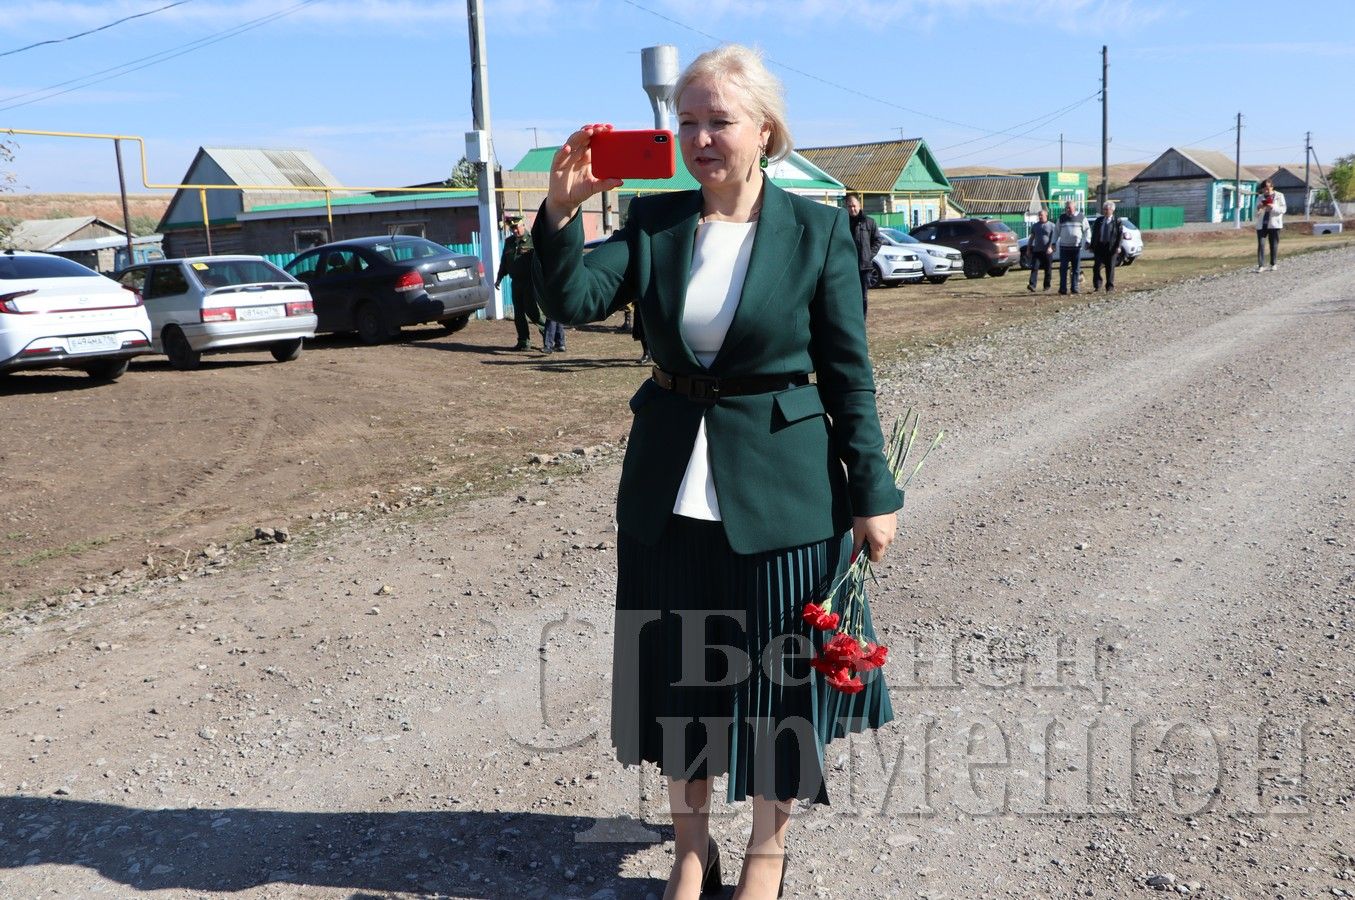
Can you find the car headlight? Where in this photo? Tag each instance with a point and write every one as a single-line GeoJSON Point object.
{"type": "Point", "coordinates": [939, 254]}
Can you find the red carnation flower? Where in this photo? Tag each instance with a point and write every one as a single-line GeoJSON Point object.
{"type": "Point", "coordinates": [872, 657]}
{"type": "Point", "coordinates": [843, 680]}
{"type": "Point", "coordinates": [843, 649]}
{"type": "Point", "coordinates": [818, 618]}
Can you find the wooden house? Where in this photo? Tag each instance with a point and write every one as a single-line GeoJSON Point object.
{"type": "Point", "coordinates": [893, 177]}
{"type": "Point", "coordinates": [1199, 181]}
{"type": "Point", "coordinates": [201, 221]}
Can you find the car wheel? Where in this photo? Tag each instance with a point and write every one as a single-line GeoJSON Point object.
{"type": "Point", "coordinates": [371, 324]}
{"type": "Point", "coordinates": [875, 278]}
{"type": "Point", "coordinates": [107, 369]}
{"type": "Point", "coordinates": [455, 324]}
{"type": "Point", "coordinates": [286, 351]}
{"type": "Point", "coordinates": [998, 272]}
{"type": "Point", "coordinates": [1127, 260]}
{"type": "Point", "coordinates": [975, 266]}
{"type": "Point", "coordinates": [937, 279]}
{"type": "Point", "coordinates": [181, 354]}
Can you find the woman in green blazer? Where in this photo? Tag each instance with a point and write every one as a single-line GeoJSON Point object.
{"type": "Point", "coordinates": [746, 486]}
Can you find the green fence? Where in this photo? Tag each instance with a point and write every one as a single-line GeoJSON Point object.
{"type": "Point", "coordinates": [1150, 217]}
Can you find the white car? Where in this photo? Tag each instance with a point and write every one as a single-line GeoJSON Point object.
{"type": "Point", "coordinates": [894, 265]}
{"type": "Point", "coordinates": [222, 303]}
{"type": "Point", "coordinates": [56, 312]}
{"type": "Point", "coordinates": [938, 263]}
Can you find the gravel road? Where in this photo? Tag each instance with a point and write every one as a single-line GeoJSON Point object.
{"type": "Point", "coordinates": [1119, 616]}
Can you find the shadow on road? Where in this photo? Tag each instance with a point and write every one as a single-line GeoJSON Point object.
{"type": "Point", "coordinates": [466, 854]}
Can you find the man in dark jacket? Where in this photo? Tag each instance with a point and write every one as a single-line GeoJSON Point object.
{"type": "Point", "coordinates": [868, 242]}
{"type": "Point", "coordinates": [1107, 232]}
{"type": "Point", "coordinates": [516, 263]}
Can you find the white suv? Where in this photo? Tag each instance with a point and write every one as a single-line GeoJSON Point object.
{"type": "Point", "coordinates": [56, 312]}
{"type": "Point", "coordinates": [222, 303]}
{"type": "Point", "coordinates": [939, 263]}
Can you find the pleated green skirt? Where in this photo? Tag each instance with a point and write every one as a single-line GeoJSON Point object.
{"type": "Point", "coordinates": [711, 671]}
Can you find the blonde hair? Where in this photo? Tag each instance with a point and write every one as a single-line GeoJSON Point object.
{"type": "Point", "coordinates": [761, 93]}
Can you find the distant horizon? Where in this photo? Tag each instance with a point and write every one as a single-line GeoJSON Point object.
{"type": "Point", "coordinates": [384, 99]}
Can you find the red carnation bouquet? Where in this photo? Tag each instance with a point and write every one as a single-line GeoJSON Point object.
{"type": "Point", "coordinates": [847, 653]}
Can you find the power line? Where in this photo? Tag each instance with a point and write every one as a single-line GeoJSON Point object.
{"type": "Point", "coordinates": [147, 61]}
{"type": "Point", "coordinates": [985, 132]}
{"type": "Point", "coordinates": [1042, 124]}
{"type": "Point", "coordinates": [72, 37]}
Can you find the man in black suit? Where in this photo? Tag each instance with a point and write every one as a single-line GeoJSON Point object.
{"type": "Point", "coordinates": [1107, 232]}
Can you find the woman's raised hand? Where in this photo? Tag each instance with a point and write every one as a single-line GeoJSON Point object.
{"type": "Point", "coordinates": [571, 177]}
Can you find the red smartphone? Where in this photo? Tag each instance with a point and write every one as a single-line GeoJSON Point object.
{"type": "Point", "coordinates": [633, 154]}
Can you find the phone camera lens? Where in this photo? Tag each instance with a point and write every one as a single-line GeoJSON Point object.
{"type": "Point", "coordinates": [660, 138]}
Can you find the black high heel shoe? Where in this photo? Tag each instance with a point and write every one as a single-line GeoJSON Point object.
{"type": "Point", "coordinates": [711, 882]}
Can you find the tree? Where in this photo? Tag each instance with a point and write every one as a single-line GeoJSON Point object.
{"type": "Point", "coordinates": [7, 181]}
{"type": "Point", "coordinates": [463, 175]}
{"type": "Point", "coordinates": [1342, 177]}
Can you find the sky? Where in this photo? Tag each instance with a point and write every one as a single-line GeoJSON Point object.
{"type": "Point", "coordinates": [379, 90]}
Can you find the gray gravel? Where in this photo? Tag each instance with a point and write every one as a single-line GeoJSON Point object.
{"type": "Point", "coordinates": [1119, 616]}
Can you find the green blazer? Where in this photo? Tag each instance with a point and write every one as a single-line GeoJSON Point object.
{"type": "Point", "coordinates": [790, 467]}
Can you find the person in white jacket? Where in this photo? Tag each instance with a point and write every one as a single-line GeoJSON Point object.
{"type": "Point", "coordinates": [1269, 221]}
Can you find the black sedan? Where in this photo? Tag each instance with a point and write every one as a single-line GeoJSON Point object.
{"type": "Point", "coordinates": [374, 285]}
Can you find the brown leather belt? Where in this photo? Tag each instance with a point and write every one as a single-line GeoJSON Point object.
{"type": "Point", "coordinates": [709, 390]}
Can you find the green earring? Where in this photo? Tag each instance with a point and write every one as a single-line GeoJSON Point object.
{"type": "Point", "coordinates": [763, 161]}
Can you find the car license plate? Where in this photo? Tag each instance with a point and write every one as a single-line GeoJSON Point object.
{"type": "Point", "coordinates": [252, 313]}
{"type": "Point", "coordinates": [453, 275]}
{"type": "Point", "coordinates": [92, 343]}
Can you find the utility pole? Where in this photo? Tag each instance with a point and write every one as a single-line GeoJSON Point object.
{"type": "Point", "coordinates": [1307, 154]}
{"type": "Point", "coordinates": [484, 168]}
{"type": "Point", "coordinates": [1237, 177]}
{"type": "Point", "coordinates": [1060, 151]}
{"type": "Point", "coordinates": [122, 189]}
{"type": "Point", "coordinates": [1105, 129]}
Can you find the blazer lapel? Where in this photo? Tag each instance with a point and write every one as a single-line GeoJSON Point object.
{"type": "Point", "coordinates": [778, 234]}
{"type": "Point", "coordinates": [672, 265]}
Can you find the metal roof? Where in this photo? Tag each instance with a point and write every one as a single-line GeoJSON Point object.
{"type": "Point", "coordinates": [103, 243]}
{"type": "Point", "coordinates": [985, 195]}
{"type": "Point", "coordinates": [1216, 165]}
{"type": "Point", "coordinates": [253, 165]}
{"type": "Point", "coordinates": [41, 234]}
{"type": "Point", "coordinates": [865, 167]}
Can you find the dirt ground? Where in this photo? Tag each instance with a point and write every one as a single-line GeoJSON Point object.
{"type": "Point", "coordinates": [142, 475]}
{"type": "Point", "coordinates": [1120, 617]}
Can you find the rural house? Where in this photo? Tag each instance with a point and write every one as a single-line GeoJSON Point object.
{"type": "Point", "coordinates": [88, 240]}
{"type": "Point", "coordinates": [1014, 199]}
{"type": "Point", "coordinates": [1199, 181]}
{"type": "Point", "coordinates": [1288, 180]}
{"type": "Point", "coordinates": [893, 177]}
{"type": "Point", "coordinates": [200, 221]}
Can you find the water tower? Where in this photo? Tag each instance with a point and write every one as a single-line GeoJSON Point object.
{"type": "Point", "coordinates": [659, 74]}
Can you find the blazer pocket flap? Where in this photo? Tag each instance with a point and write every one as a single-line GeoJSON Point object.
{"type": "Point", "coordinates": [799, 403]}
{"type": "Point", "coordinates": [643, 395]}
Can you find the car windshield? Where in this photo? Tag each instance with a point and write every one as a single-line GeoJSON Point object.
{"type": "Point", "coordinates": [900, 237]}
{"type": "Point", "coordinates": [230, 272]}
{"type": "Point", "coordinates": [409, 248]}
{"type": "Point", "coordinates": [42, 267]}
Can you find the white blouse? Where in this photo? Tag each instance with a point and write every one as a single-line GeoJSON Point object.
{"type": "Point", "coordinates": [719, 264]}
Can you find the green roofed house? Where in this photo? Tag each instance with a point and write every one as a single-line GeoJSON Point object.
{"type": "Point", "coordinates": [444, 217]}
{"type": "Point", "coordinates": [899, 180]}
{"type": "Point", "coordinates": [524, 186]}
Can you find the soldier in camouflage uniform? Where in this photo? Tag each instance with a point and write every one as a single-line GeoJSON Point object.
{"type": "Point", "coordinates": [516, 263]}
